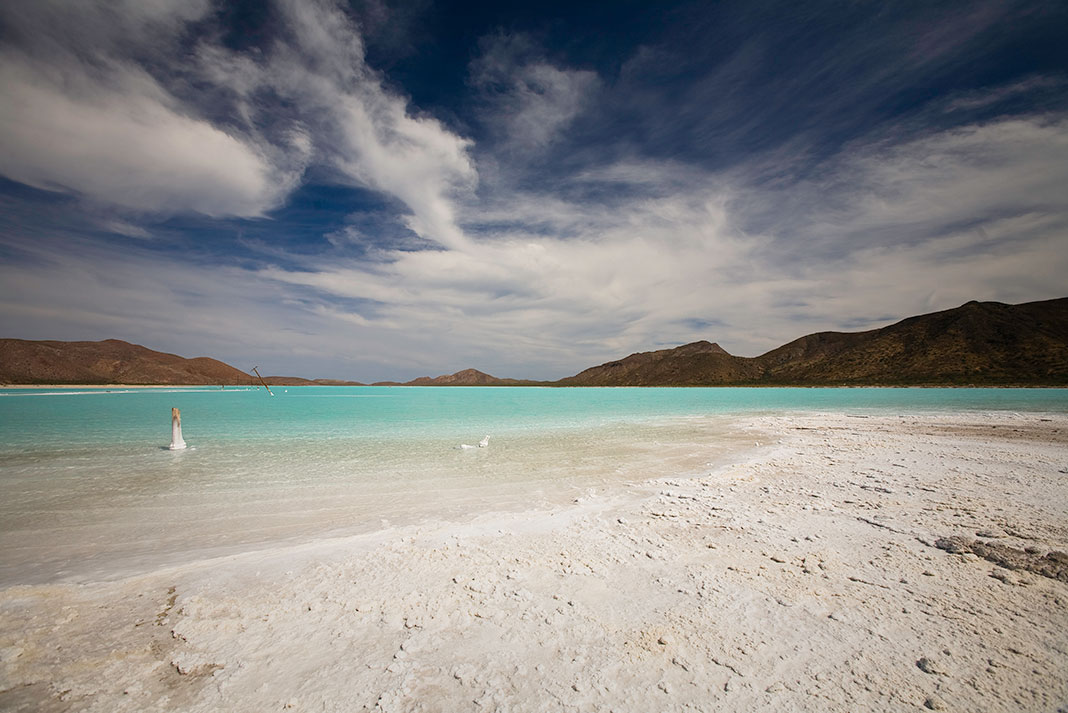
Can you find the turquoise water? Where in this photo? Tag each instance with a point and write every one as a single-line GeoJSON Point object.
{"type": "Point", "coordinates": [40, 418]}
{"type": "Point", "coordinates": [89, 490]}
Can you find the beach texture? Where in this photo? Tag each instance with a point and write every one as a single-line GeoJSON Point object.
{"type": "Point", "coordinates": [880, 563]}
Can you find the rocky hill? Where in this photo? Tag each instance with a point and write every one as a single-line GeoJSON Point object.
{"type": "Point", "coordinates": [467, 377]}
{"type": "Point", "coordinates": [690, 364]}
{"type": "Point", "coordinates": [979, 343]}
{"type": "Point", "coordinates": [976, 343]}
{"type": "Point", "coordinates": [108, 362]}
{"type": "Point", "coordinates": [299, 381]}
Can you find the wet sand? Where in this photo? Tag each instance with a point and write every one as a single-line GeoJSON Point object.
{"type": "Point", "coordinates": [852, 563]}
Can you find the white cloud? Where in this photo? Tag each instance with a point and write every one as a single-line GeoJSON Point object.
{"type": "Point", "coordinates": [921, 189]}
{"type": "Point", "coordinates": [97, 291]}
{"type": "Point", "coordinates": [628, 277]}
{"type": "Point", "coordinates": [973, 213]}
{"type": "Point", "coordinates": [617, 284]}
{"type": "Point", "coordinates": [530, 101]}
{"type": "Point", "coordinates": [985, 98]}
{"type": "Point", "coordinates": [365, 130]}
{"type": "Point", "coordinates": [122, 227]}
{"type": "Point", "coordinates": [349, 119]}
{"type": "Point", "coordinates": [93, 30]}
{"type": "Point", "coordinates": [518, 283]}
{"type": "Point", "coordinates": [80, 113]}
{"type": "Point", "coordinates": [123, 141]}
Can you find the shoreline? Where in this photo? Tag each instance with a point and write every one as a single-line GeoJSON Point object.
{"type": "Point", "coordinates": [547, 385]}
{"type": "Point", "coordinates": [806, 577]}
{"type": "Point", "coordinates": [122, 386]}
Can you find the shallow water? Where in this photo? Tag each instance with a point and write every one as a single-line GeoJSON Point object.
{"type": "Point", "coordinates": [88, 489]}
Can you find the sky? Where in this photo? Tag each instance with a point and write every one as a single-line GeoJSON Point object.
{"type": "Point", "coordinates": [376, 190]}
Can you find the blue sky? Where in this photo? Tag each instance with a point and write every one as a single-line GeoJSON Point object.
{"type": "Point", "coordinates": [376, 190]}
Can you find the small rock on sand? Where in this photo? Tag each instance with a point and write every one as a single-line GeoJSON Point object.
{"type": "Point", "coordinates": [934, 703]}
{"type": "Point", "coordinates": [931, 666]}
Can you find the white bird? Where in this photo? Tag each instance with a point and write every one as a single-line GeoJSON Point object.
{"type": "Point", "coordinates": [484, 443]}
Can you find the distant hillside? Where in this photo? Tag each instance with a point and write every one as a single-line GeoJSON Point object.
{"type": "Point", "coordinates": [288, 381]}
{"type": "Point", "coordinates": [979, 343]}
{"type": "Point", "coordinates": [976, 343]}
{"type": "Point", "coordinates": [467, 377]}
{"type": "Point", "coordinates": [690, 364]}
{"type": "Point", "coordinates": [109, 362]}
{"type": "Point", "coordinates": [298, 381]}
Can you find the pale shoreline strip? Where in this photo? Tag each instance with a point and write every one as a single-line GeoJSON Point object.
{"type": "Point", "coordinates": [804, 578]}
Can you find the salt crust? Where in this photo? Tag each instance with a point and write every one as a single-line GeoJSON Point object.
{"type": "Point", "coordinates": [803, 579]}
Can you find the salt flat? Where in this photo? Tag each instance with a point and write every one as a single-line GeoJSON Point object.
{"type": "Point", "coordinates": [817, 574]}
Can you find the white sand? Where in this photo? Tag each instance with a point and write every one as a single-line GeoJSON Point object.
{"type": "Point", "coordinates": [803, 579]}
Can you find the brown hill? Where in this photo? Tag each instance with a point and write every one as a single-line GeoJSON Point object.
{"type": "Point", "coordinates": [288, 381]}
{"type": "Point", "coordinates": [979, 343]}
{"type": "Point", "coordinates": [976, 343]}
{"type": "Point", "coordinates": [299, 381]}
{"type": "Point", "coordinates": [109, 362]}
{"type": "Point", "coordinates": [689, 365]}
{"type": "Point", "coordinates": [467, 377]}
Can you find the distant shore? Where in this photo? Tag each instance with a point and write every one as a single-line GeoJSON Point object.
{"type": "Point", "coordinates": [547, 385]}
{"type": "Point", "coordinates": [122, 386]}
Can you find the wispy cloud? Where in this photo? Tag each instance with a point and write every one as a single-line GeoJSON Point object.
{"type": "Point", "coordinates": [122, 141]}
{"type": "Point", "coordinates": [122, 227]}
{"type": "Point", "coordinates": [746, 193]}
{"type": "Point", "coordinates": [96, 122]}
{"type": "Point", "coordinates": [528, 100]}
{"type": "Point", "coordinates": [79, 112]}
{"type": "Point", "coordinates": [351, 121]}
{"type": "Point", "coordinates": [991, 97]}
{"type": "Point", "coordinates": [899, 230]}
{"type": "Point", "coordinates": [883, 190]}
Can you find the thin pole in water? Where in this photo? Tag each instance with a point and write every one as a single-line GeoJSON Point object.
{"type": "Point", "coordinates": [255, 369]}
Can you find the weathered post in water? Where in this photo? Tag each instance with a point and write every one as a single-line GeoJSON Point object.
{"type": "Point", "coordinates": [177, 442]}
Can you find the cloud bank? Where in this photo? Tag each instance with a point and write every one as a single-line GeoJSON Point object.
{"type": "Point", "coordinates": [292, 201]}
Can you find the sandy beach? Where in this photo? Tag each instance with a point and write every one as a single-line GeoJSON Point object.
{"type": "Point", "coordinates": [880, 563]}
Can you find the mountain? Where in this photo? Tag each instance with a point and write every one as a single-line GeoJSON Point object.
{"type": "Point", "coordinates": [688, 365]}
{"type": "Point", "coordinates": [299, 381]}
{"type": "Point", "coordinates": [978, 343]}
{"type": "Point", "coordinates": [109, 362]}
{"type": "Point", "coordinates": [288, 381]}
{"type": "Point", "coordinates": [467, 377]}
{"type": "Point", "coordinates": [337, 382]}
